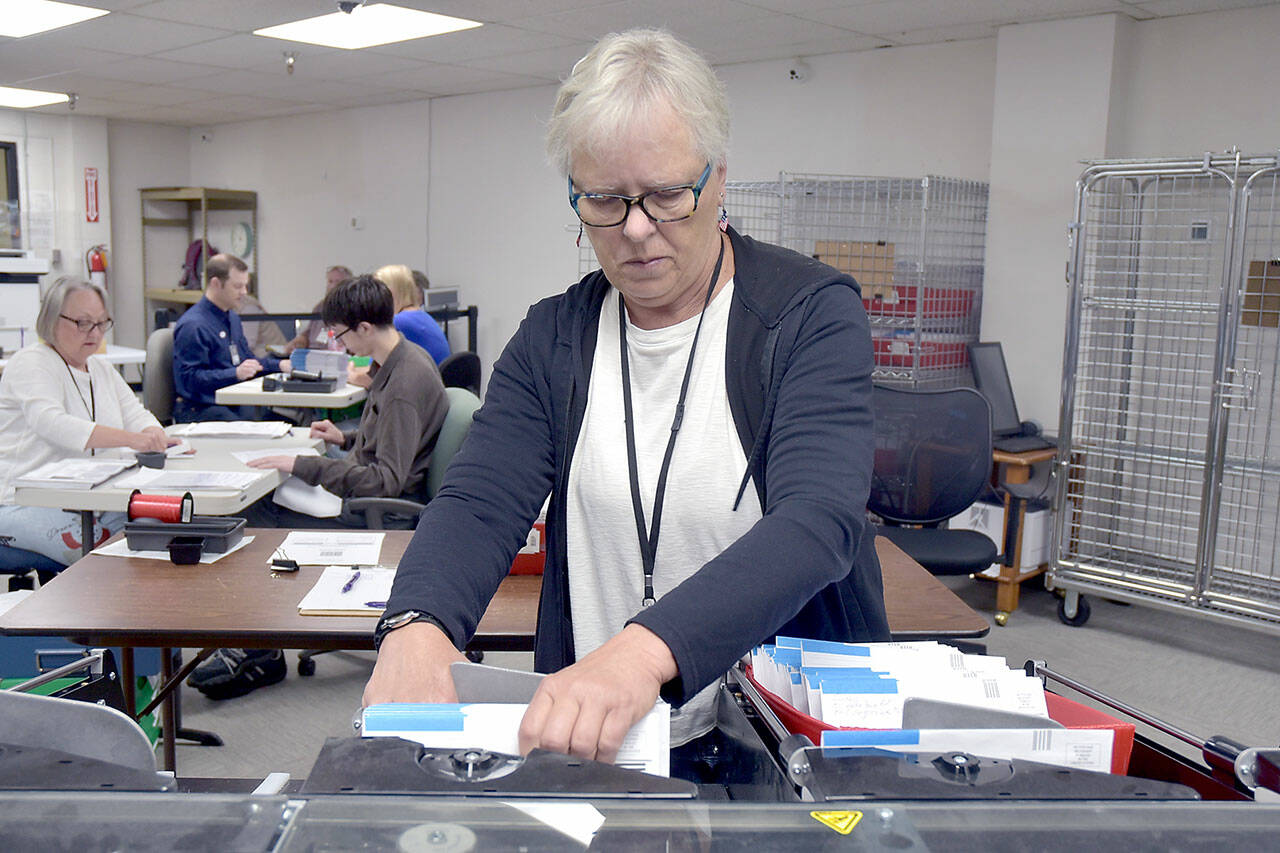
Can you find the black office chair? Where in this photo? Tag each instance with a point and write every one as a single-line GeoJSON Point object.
{"type": "Point", "coordinates": [19, 563]}
{"type": "Point", "coordinates": [462, 370]}
{"type": "Point", "coordinates": [932, 460]}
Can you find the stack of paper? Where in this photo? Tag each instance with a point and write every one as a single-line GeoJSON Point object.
{"type": "Point", "coordinates": [866, 685]}
{"type": "Point", "coordinates": [182, 480]}
{"type": "Point", "coordinates": [231, 429]}
{"type": "Point", "coordinates": [73, 473]}
{"type": "Point", "coordinates": [329, 548]}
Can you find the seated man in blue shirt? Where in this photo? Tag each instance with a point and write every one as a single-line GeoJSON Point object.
{"type": "Point", "coordinates": [210, 350]}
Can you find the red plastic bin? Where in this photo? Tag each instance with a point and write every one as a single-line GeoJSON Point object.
{"type": "Point", "coordinates": [901, 300]}
{"type": "Point", "coordinates": [1071, 714]}
{"type": "Point", "coordinates": [528, 561]}
{"type": "Point", "coordinates": [935, 351]}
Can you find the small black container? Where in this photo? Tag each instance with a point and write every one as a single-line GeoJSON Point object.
{"type": "Point", "coordinates": [186, 550]}
{"type": "Point", "coordinates": [150, 458]}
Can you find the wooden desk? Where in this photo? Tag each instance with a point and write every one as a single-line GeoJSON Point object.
{"type": "Point", "coordinates": [250, 393]}
{"type": "Point", "coordinates": [1015, 469]}
{"type": "Point", "coordinates": [239, 602]}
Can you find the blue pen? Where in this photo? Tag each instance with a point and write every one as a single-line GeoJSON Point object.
{"type": "Point", "coordinates": [381, 605]}
{"type": "Point", "coordinates": [355, 576]}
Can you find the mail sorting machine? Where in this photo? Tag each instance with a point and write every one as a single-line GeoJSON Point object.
{"type": "Point", "coordinates": [757, 785]}
{"type": "Point", "coordinates": [1171, 390]}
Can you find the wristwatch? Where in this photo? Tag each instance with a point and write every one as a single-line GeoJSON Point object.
{"type": "Point", "coordinates": [392, 621]}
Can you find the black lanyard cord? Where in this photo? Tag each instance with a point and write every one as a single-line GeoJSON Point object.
{"type": "Point", "coordinates": [649, 536]}
{"type": "Point", "coordinates": [90, 405]}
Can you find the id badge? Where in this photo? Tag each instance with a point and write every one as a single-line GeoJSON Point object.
{"type": "Point", "coordinates": [235, 354]}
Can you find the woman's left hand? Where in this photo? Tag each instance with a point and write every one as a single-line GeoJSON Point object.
{"type": "Point", "coordinates": [280, 463]}
{"type": "Point", "coordinates": [587, 709]}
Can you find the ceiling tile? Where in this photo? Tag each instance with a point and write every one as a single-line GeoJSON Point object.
{"type": "Point", "coordinates": [899, 16]}
{"type": "Point", "coordinates": [80, 82]}
{"type": "Point", "coordinates": [499, 11]}
{"type": "Point", "coordinates": [183, 115]}
{"type": "Point", "coordinates": [676, 15]}
{"type": "Point", "coordinates": [243, 51]}
{"type": "Point", "coordinates": [125, 33]}
{"type": "Point", "coordinates": [553, 63]}
{"type": "Point", "coordinates": [158, 72]}
{"type": "Point", "coordinates": [337, 64]}
{"type": "Point", "coordinates": [86, 106]}
{"type": "Point", "coordinates": [21, 60]}
{"type": "Point", "coordinates": [770, 33]}
{"type": "Point", "coordinates": [958, 32]}
{"type": "Point", "coordinates": [450, 80]}
{"type": "Point", "coordinates": [241, 15]}
{"type": "Point", "coordinates": [1191, 7]}
{"type": "Point", "coordinates": [477, 43]}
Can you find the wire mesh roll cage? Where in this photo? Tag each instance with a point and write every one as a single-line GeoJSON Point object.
{"type": "Point", "coordinates": [1164, 368]}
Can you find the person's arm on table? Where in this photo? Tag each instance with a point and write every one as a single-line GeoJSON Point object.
{"type": "Point", "coordinates": [325, 429]}
{"type": "Point", "coordinates": [399, 432]}
{"type": "Point", "coordinates": [150, 438]}
{"type": "Point", "coordinates": [587, 708]}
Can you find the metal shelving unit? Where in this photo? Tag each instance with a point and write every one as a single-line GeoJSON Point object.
{"type": "Point", "coordinates": [197, 203]}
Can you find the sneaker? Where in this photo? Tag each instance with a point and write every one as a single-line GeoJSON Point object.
{"type": "Point", "coordinates": [235, 672]}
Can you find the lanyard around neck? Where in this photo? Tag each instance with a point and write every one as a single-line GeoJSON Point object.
{"type": "Point", "coordinates": [90, 405]}
{"type": "Point", "coordinates": [648, 536]}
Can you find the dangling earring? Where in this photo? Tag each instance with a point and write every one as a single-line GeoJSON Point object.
{"type": "Point", "coordinates": [724, 219]}
{"type": "Point", "coordinates": [578, 242]}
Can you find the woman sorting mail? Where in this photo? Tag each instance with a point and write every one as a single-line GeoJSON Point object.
{"type": "Point", "coordinates": [699, 411]}
{"type": "Point", "coordinates": [58, 401]}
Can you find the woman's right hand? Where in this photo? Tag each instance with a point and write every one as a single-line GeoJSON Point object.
{"type": "Point", "coordinates": [149, 440]}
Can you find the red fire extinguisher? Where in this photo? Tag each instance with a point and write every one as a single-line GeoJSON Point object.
{"type": "Point", "coordinates": [96, 261]}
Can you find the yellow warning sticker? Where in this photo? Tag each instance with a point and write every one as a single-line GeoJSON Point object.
{"type": "Point", "coordinates": [841, 822]}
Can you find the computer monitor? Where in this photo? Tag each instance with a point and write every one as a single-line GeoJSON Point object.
{"type": "Point", "coordinates": [991, 376]}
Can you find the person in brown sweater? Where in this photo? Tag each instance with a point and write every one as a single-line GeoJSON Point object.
{"type": "Point", "coordinates": [388, 457]}
{"type": "Point", "coordinates": [390, 450]}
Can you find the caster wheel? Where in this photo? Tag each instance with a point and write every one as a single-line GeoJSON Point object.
{"type": "Point", "coordinates": [1081, 615]}
{"type": "Point", "coordinates": [1002, 618]}
{"type": "Point", "coordinates": [306, 667]}
{"type": "Point", "coordinates": [474, 655]}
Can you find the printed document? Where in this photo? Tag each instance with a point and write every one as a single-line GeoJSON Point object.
{"type": "Point", "coordinates": [231, 429]}
{"type": "Point", "coordinates": [73, 473]}
{"type": "Point", "coordinates": [329, 548]}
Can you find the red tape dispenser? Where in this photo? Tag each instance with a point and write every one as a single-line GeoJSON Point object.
{"type": "Point", "coordinates": [167, 508]}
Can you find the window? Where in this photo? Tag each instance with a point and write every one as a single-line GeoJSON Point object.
{"type": "Point", "coordinates": [10, 218]}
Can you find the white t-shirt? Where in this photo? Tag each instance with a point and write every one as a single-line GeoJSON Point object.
{"type": "Point", "coordinates": [45, 410]}
{"type": "Point", "coordinates": [606, 575]}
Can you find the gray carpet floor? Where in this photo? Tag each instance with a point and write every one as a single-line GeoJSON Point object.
{"type": "Point", "coordinates": [1202, 676]}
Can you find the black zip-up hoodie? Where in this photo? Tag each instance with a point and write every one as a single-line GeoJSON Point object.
{"type": "Point", "coordinates": [798, 376]}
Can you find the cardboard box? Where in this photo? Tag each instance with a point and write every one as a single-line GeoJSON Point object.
{"type": "Point", "coordinates": [987, 517]}
{"type": "Point", "coordinates": [871, 263]}
{"type": "Point", "coordinates": [1262, 295]}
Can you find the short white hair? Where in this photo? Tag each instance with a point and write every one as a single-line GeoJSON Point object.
{"type": "Point", "coordinates": [623, 77]}
{"type": "Point", "coordinates": [55, 298]}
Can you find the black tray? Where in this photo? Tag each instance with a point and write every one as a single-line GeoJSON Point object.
{"type": "Point", "coordinates": [220, 533]}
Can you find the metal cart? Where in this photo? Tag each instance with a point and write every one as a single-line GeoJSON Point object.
{"type": "Point", "coordinates": [915, 245]}
{"type": "Point", "coordinates": [1170, 391]}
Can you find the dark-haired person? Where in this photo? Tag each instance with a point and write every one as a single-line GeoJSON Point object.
{"type": "Point", "coordinates": [210, 350]}
{"type": "Point", "coordinates": [389, 450]}
{"type": "Point", "coordinates": [391, 447]}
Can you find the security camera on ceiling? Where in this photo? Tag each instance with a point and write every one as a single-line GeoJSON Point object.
{"type": "Point", "coordinates": [349, 6]}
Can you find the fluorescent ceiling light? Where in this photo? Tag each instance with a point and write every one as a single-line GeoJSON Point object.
{"type": "Point", "coordinates": [28, 17]}
{"type": "Point", "coordinates": [366, 26]}
{"type": "Point", "coordinates": [23, 99]}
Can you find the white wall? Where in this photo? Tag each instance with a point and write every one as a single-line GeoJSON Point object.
{"type": "Point", "coordinates": [1201, 83]}
{"type": "Point", "coordinates": [53, 151]}
{"type": "Point", "coordinates": [313, 174]}
{"type": "Point", "coordinates": [142, 155]}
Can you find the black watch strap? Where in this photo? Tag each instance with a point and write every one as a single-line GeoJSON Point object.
{"type": "Point", "coordinates": [392, 621]}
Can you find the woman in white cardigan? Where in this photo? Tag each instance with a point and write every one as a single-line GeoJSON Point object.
{"type": "Point", "coordinates": [58, 401]}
